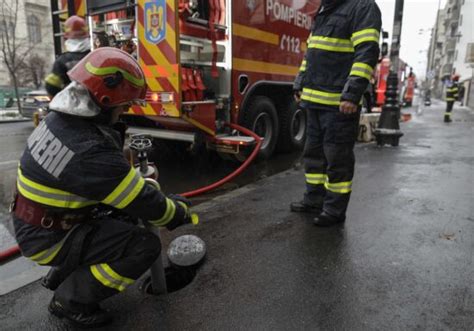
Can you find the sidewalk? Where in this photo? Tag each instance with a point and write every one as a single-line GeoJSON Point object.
{"type": "Point", "coordinates": [11, 115]}
{"type": "Point", "coordinates": [403, 260]}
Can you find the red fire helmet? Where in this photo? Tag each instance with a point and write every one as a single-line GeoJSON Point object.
{"type": "Point", "coordinates": [112, 77]}
{"type": "Point", "coordinates": [75, 27]}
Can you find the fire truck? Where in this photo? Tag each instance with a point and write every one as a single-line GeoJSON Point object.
{"type": "Point", "coordinates": [406, 85]}
{"type": "Point", "coordinates": [208, 63]}
{"type": "Point", "coordinates": [409, 89]}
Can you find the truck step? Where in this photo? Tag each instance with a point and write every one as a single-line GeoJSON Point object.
{"type": "Point", "coordinates": [163, 134]}
{"type": "Point", "coordinates": [234, 140]}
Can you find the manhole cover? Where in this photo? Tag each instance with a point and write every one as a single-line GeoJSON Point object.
{"type": "Point", "coordinates": [187, 250]}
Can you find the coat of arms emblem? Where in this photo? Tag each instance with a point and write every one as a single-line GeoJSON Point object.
{"type": "Point", "coordinates": [155, 21]}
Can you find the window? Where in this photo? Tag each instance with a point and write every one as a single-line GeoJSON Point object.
{"type": "Point", "coordinates": [11, 28]}
{"type": "Point", "coordinates": [34, 29]}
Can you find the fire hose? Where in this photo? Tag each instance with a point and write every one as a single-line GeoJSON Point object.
{"type": "Point", "coordinates": [15, 250]}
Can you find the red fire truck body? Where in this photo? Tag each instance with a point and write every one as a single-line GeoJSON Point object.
{"type": "Point", "coordinates": [208, 62]}
{"type": "Point", "coordinates": [383, 69]}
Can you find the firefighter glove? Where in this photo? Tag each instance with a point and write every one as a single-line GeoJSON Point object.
{"type": "Point", "coordinates": [183, 214]}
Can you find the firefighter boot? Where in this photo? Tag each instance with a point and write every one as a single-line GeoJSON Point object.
{"type": "Point", "coordinates": [302, 207]}
{"type": "Point", "coordinates": [325, 220]}
{"type": "Point", "coordinates": [93, 318]}
{"type": "Point", "coordinates": [447, 118]}
{"type": "Point", "coordinates": [53, 279]}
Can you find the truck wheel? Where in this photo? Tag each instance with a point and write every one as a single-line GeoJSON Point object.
{"type": "Point", "coordinates": [292, 127]}
{"type": "Point", "coordinates": [261, 117]}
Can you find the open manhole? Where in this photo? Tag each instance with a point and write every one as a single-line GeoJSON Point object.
{"type": "Point", "coordinates": [185, 255]}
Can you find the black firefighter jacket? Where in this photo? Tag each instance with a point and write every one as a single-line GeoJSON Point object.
{"type": "Point", "coordinates": [452, 92]}
{"type": "Point", "coordinates": [72, 165]}
{"type": "Point", "coordinates": [58, 78]}
{"type": "Point", "coordinates": [343, 49]}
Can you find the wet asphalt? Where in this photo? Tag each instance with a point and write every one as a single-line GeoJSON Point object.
{"type": "Point", "coordinates": [404, 259]}
{"type": "Point", "coordinates": [13, 137]}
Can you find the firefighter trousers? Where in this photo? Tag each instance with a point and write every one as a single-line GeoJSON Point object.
{"type": "Point", "coordinates": [449, 106]}
{"type": "Point", "coordinates": [329, 159]}
{"type": "Point", "coordinates": [114, 254]}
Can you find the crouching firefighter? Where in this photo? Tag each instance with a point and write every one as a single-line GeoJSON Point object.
{"type": "Point", "coordinates": [73, 165]}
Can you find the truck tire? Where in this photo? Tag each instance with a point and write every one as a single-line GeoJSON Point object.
{"type": "Point", "coordinates": [261, 117]}
{"type": "Point", "coordinates": [292, 127]}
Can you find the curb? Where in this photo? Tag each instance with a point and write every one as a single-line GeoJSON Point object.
{"type": "Point", "coordinates": [16, 120]}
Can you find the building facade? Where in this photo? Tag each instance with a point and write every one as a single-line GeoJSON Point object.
{"type": "Point", "coordinates": [464, 52]}
{"type": "Point", "coordinates": [34, 37]}
{"type": "Point", "coordinates": [451, 48]}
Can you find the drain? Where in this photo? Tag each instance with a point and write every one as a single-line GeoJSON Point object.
{"type": "Point", "coordinates": [176, 279]}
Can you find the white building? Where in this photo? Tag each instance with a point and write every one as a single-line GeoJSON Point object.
{"type": "Point", "coordinates": [33, 32]}
{"type": "Point", "coordinates": [465, 36]}
{"type": "Point", "coordinates": [464, 54]}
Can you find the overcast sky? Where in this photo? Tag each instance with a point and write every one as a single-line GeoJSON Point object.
{"type": "Point", "coordinates": [417, 14]}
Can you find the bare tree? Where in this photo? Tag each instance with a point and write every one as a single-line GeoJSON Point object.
{"type": "Point", "coordinates": [32, 71]}
{"type": "Point", "coordinates": [15, 50]}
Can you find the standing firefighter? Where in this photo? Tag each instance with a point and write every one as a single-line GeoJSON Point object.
{"type": "Point", "coordinates": [343, 49]}
{"type": "Point", "coordinates": [72, 166]}
{"type": "Point", "coordinates": [77, 45]}
{"type": "Point", "coordinates": [452, 91]}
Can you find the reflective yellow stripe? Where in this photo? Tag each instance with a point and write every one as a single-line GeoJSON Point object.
{"type": "Point", "coordinates": [365, 35]}
{"type": "Point", "coordinates": [126, 191]}
{"type": "Point", "coordinates": [342, 187]}
{"type": "Point", "coordinates": [47, 255]}
{"type": "Point", "coordinates": [316, 179]}
{"type": "Point", "coordinates": [325, 98]}
{"type": "Point", "coordinates": [362, 70]}
{"type": "Point", "coordinates": [255, 34]}
{"type": "Point", "coordinates": [168, 215]}
{"type": "Point", "coordinates": [108, 277]}
{"type": "Point", "coordinates": [112, 70]}
{"type": "Point", "coordinates": [450, 99]}
{"type": "Point", "coordinates": [50, 196]}
{"type": "Point", "coordinates": [303, 66]}
{"type": "Point", "coordinates": [54, 80]}
{"type": "Point", "coordinates": [331, 44]}
{"type": "Point", "coordinates": [447, 114]}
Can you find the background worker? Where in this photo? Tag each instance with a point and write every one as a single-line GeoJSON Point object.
{"type": "Point", "coordinates": [73, 165]}
{"type": "Point", "coordinates": [343, 49]}
{"type": "Point", "coordinates": [77, 46]}
{"type": "Point", "coordinates": [452, 90]}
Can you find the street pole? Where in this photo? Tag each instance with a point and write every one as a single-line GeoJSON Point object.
{"type": "Point", "coordinates": [388, 130]}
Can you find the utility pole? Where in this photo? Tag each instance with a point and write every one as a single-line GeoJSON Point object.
{"type": "Point", "coordinates": [388, 130]}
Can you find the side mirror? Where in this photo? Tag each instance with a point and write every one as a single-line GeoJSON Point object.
{"type": "Point", "coordinates": [384, 49]}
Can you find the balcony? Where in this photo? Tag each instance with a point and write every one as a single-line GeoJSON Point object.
{"type": "Point", "coordinates": [469, 53]}
{"type": "Point", "coordinates": [450, 44]}
{"type": "Point", "coordinates": [447, 69]}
